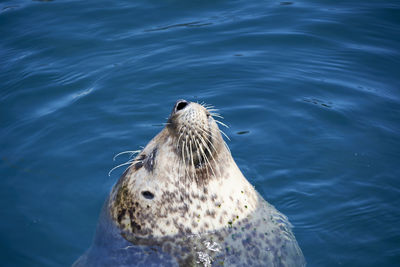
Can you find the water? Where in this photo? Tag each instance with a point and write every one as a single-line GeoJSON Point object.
{"type": "Point", "coordinates": [310, 90]}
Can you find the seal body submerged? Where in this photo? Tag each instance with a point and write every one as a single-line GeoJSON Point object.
{"type": "Point", "coordinates": [184, 202]}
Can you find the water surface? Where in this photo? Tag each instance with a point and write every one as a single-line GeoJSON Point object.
{"type": "Point", "coordinates": [310, 90]}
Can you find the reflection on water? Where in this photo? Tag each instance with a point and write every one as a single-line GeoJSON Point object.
{"type": "Point", "coordinates": [190, 24]}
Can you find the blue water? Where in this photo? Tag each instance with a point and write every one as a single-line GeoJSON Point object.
{"type": "Point", "coordinates": [309, 88]}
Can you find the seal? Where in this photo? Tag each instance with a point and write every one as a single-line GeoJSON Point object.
{"type": "Point", "coordinates": [184, 202]}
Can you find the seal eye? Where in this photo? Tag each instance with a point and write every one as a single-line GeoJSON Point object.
{"type": "Point", "coordinates": [147, 195]}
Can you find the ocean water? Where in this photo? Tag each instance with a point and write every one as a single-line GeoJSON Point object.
{"type": "Point", "coordinates": [309, 89]}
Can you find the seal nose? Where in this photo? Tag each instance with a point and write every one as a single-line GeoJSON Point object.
{"type": "Point", "coordinates": [180, 104]}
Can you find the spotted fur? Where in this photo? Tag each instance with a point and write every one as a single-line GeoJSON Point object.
{"type": "Point", "coordinates": [185, 195]}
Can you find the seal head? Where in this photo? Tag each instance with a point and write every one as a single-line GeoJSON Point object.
{"type": "Point", "coordinates": [174, 185]}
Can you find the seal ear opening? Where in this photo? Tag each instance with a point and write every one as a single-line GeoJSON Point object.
{"type": "Point", "coordinates": [147, 195]}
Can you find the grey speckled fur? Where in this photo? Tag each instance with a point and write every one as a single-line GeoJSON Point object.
{"type": "Point", "coordinates": [184, 202]}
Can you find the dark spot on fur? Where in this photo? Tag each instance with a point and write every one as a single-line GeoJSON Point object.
{"type": "Point", "coordinates": [210, 213]}
{"type": "Point", "coordinates": [138, 165]}
{"type": "Point", "coordinates": [184, 208]}
{"type": "Point", "coordinates": [181, 228]}
{"type": "Point", "coordinates": [135, 226]}
{"type": "Point", "coordinates": [150, 160]}
{"type": "Point", "coordinates": [121, 213]}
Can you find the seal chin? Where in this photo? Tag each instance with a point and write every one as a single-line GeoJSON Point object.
{"type": "Point", "coordinates": [194, 130]}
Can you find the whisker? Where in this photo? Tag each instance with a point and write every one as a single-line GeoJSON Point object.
{"type": "Point", "coordinates": [133, 152]}
{"type": "Point", "coordinates": [179, 138]}
{"type": "Point", "coordinates": [205, 132]}
{"type": "Point", "coordinates": [188, 154]}
{"type": "Point", "coordinates": [191, 158]}
{"type": "Point", "coordinates": [208, 164]}
{"type": "Point", "coordinates": [183, 157]}
{"type": "Point", "coordinates": [208, 133]}
{"type": "Point", "coordinates": [226, 145]}
{"type": "Point", "coordinates": [202, 140]}
{"type": "Point", "coordinates": [120, 165]}
{"type": "Point", "coordinates": [216, 115]}
{"type": "Point", "coordinates": [209, 141]}
{"type": "Point", "coordinates": [207, 105]}
{"type": "Point", "coordinates": [197, 150]}
{"type": "Point", "coordinates": [224, 134]}
{"type": "Point", "coordinates": [221, 123]}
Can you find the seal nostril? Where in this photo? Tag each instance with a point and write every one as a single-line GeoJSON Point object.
{"type": "Point", "coordinates": [147, 195]}
{"type": "Point", "coordinates": [181, 105]}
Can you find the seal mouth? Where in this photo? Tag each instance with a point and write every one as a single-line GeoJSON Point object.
{"type": "Point", "coordinates": [196, 147]}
